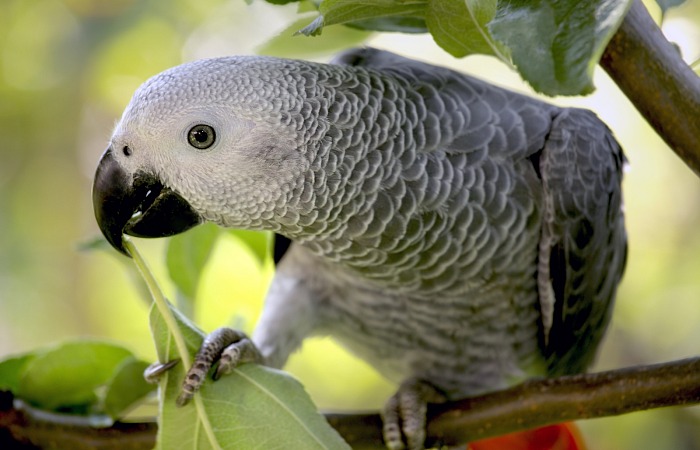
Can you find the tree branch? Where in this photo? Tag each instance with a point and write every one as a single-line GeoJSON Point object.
{"type": "Point", "coordinates": [532, 404]}
{"type": "Point", "coordinates": [652, 74]}
{"type": "Point", "coordinates": [25, 428]}
{"type": "Point", "coordinates": [541, 402]}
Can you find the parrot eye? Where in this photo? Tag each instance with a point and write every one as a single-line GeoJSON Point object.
{"type": "Point", "coordinates": [201, 136]}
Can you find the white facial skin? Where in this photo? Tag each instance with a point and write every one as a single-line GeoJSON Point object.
{"type": "Point", "coordinates": [252, 161]}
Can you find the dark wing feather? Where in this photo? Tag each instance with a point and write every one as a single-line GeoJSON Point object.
{"type": "Point", "coordinates": [584, 245]}
{"type": "Point", "coordinates": [279, 247]}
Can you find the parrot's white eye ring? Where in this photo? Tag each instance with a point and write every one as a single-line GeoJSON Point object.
{"type": "Point", "coordinates": [201, 136]}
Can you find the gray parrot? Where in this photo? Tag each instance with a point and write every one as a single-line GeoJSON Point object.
{"type": "Point", "coordinates": [458, 236]}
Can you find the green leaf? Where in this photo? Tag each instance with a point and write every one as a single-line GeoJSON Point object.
{"type": "Point", "coordinates": [250, 406]}
{"type": "Point", "coordinates": [258, 242]}
{"type": "Point", "coordinates": [409, 25]}
{"type": "Point", "coordinates": [347, 11]}
{"type": "Point", "coordinates": [96, 242]}
{"type": "Point", "coordinates": [69, 374]}
{"type": "Point", "coordinates": [286, 44]}
{"type": "Point", "coordinates": [126, 387]}
{"type": "Point", "coordinates": [281, 2]}
{"type": "Point", "coordinates": [459, 27]}
{"type": "Point", "coordinates": [161, 333]}
{"type": "Point", "coordinates": [12, 369]}
{"type": "Point", "coordinates": [187, 255]}
{"type": "Point", "coordinates": [556, 44]}
{"type": "Point", "coordinates": [314, 28]}
{"type": "Point", "coordinates": [306, 6]}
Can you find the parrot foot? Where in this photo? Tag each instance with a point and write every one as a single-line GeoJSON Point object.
{"type": "Point", "coordinates": [405, 414]}
{"type": "Point", "coordinates": [230, 347]}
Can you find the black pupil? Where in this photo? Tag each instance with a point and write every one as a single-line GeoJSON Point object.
{"type": "Point", "coordinates": [200, 135]}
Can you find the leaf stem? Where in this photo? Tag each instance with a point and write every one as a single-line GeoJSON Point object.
{"type": "Point", "coordinates": [160, 301]}
{"type": "Point", "coordinates": [170, 321]}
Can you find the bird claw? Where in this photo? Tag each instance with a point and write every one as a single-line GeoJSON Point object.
{"type": "Point", "coordinates": [229, 347]}
{"type": "Point", "coordinates": [404, 415]}
{"type": "Point", "coordinates": [155, 371]}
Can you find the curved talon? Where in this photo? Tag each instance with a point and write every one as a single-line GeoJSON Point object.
{"type": "Point", "coordinates": [194, 378]}
{"type": "Point", "coordinates": [392, 430]}
{"type": "Point", "coordinates": [243, 351]}
{"type": "Point", "coordinates": [155, 371]}
{"type": "Point", "coordinates": [184, 397]}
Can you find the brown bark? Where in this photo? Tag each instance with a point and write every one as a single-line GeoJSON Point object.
{"type": "Point", "coordinates": [532, 404]}
{"type": "Point", "coordinates": [543, 402]}
{"type": "Point", "coordinates": [651, 73]}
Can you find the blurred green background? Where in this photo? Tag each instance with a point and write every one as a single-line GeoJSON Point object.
{"type": "Point", "coordinates": [68, 68]}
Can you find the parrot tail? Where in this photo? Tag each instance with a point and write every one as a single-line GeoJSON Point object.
{"type": "Point", "coordinates": [563, 436]}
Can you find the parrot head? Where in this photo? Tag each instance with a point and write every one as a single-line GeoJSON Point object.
{"type": "Point", "coordinates": [205, 141]}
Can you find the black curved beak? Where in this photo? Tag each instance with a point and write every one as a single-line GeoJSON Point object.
{"type": "Point", "coordinates": [140, 206]}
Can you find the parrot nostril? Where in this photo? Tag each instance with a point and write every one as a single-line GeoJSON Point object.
{"type": "Point", "coordinates": [126, 150]}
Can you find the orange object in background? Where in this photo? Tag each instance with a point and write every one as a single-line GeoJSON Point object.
{"type": "Point", "coordinates": [563, 436]}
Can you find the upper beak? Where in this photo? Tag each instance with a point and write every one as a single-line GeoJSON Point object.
{"type": "Point", "coordinates": [140, 206]}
